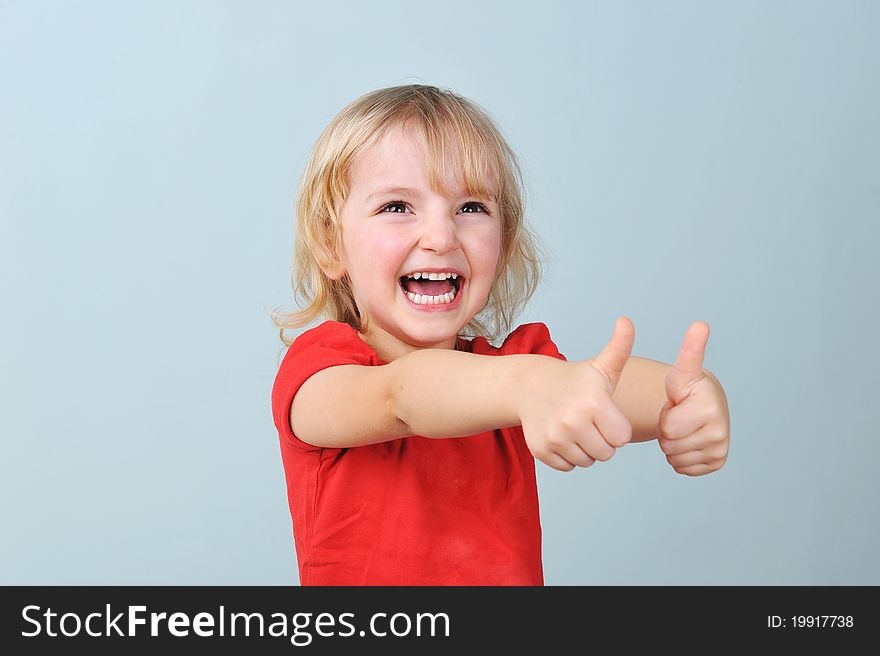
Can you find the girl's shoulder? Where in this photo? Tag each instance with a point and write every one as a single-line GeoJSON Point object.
{"type": "Point", "coordinates": [328, 329]}
{"type": "Point", "coordinates": [331, 335]}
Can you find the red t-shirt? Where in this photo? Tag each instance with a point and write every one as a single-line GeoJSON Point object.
{"type": "Point", "coordinates": [414, 510]}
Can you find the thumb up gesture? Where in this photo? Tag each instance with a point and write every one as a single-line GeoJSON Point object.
{"type": "Point", "coordinates": [567, 414]}
{"type": "Point", "coordinates": [695, 422]}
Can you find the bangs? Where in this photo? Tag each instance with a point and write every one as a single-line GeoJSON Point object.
{"type": "Point", "coordinates": [458, 157]}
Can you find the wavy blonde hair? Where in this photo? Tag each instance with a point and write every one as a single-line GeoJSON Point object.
{"type": "Point", "coordinates": [441, 116]}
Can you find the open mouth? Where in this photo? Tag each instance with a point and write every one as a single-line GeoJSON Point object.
{"type": "Point", "coordinates": [440, 289]}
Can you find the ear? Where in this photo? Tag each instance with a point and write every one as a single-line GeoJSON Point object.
{"type": "Point", "coordinates": [333, 270]}
{"type": "Point", "coordinates": [329, 261]}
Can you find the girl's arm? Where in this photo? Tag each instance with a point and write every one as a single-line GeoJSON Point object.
{"type": "Point", "coordinates": [441, 393]}
{"type": "Point", "coordinates": [641, 394]}
{"type": "Point", "coordinates": [566, 410]}
{"type": "Point", "coordinates": [431, 392]}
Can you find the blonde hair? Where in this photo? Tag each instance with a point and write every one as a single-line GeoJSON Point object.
{"type": "Point", "coordinates": [439, 115]}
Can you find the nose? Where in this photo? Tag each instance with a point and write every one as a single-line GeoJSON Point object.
{"type": "Point", "coordinates": [439, 233]}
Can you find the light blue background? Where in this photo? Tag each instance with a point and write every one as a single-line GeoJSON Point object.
{"type": "Point", "coordinates": [685, 161]}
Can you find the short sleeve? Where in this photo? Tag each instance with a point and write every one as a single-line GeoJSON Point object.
{"type": "Point", "coordinates": [531, 338]}
{"type": "Point", "coordinates": [527, 338]}
{"type": "Point", "coordinates": [330, 344]}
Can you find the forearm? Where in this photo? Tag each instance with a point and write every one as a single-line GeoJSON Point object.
{"type": "Point", "coordinates": [443, 393]}
{"type": "Point", "coordinates": [641, 394]}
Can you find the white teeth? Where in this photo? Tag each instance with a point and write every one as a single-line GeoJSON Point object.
{"type": "Point", "coordinates": [448, 297]}
{"type": "Point", "coordinates": [421, 299]}
{"type": "Point", "coordinates": [443, 275]}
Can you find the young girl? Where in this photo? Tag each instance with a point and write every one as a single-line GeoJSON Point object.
{"type": "Point", "coordinates": [408, 439]}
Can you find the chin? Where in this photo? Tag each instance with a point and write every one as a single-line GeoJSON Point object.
{"type": "Point", "coordinates": [428, 337]}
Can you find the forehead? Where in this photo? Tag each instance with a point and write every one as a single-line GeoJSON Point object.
{"type": "Point", "coordinates": [400, 158]}
{"type": "Point", "coordinates": [395, 152]}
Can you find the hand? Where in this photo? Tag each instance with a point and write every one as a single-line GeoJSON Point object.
{"type": "Point", "coordinates": [695, 422]}
{"type": "Point", "coordinates": [568, 416]}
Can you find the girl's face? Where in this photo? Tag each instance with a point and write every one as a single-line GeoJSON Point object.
{"type": "Point", "coordinates": [393, 225]}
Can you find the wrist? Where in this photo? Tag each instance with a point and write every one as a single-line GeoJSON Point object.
{"type": "Point", "coordinates": [528, 372]}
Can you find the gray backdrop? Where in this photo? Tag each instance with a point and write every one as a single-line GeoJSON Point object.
{"type": "Point", "coordinates": [686, 160]}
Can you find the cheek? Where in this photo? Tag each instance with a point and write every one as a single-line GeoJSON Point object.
{"type": "Point", "coordinates": [379, 251]}
{"type": "Point", "coordinates": [378, 261]}
{"type": "Point", "coordinates": [486, 248]}
{"type": "Point", "coordinates": [388, 243]}
{"type": "Point", "coordinates": [385, 255]}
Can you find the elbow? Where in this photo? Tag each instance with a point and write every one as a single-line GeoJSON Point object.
{"type": "Point", "coordinates": [393, 396]}
{"type": "Point", "coordinates": [399, 426]}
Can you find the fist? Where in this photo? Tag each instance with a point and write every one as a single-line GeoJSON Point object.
{"type": "Point", "coordinates": [569, 418]}
{"type": "Point", "coordinates": [695, 422]}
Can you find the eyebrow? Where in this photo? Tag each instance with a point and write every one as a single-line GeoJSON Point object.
{"type": "Point", "coordinates": [414, 193]}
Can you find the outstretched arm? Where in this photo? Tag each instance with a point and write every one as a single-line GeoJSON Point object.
{"type": "Point", "coordinates": [641, 395]}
